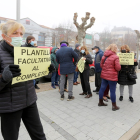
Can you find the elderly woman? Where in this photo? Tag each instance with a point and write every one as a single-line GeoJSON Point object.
{"type": "Point", "coordinates": [110, 67]}
{"type": "Point", "coordinates": [124, 80]}
{"type": "Point", "coordinates": [17, 101]}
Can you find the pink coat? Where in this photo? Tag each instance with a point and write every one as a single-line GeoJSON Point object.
{"type": "Point", "coordinates": [111, 66]}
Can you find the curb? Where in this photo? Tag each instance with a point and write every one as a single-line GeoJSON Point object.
{"type": "Point", "coordinates": [133, 133]}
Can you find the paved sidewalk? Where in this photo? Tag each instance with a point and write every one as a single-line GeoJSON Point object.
{"type": "Point", "coordinates": [82, 119]}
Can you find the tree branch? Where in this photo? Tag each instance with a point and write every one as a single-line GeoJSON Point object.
{"type": "Point", "coordinates": [84, 20]}
{"type": "Point", "coordinates": [75, 20]}
{"type": "Point", "coordinates": [92, 20]}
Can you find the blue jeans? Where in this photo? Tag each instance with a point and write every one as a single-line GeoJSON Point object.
{"type": "Point", "coordinates": [55, 78]}
{"type": "Point", "coordinates": [112, 87]}
{"type": "Point", "coordinates": [34, 81]}
{"type": "Point", "coordinates": [75, 76]}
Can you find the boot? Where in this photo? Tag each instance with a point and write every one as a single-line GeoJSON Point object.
{"type": "Point", "coordinates": [115, 107]}
{"type": "Point", "coordinates": [36, 86]}
{"type": "Point", "coordinates": [88, 96]}
{"type": "Point", "coordinates": [84, 93]}
{"type": "Point", "coordinates": [131, 99]}
{"type": "Point", "coordinates": [101, 103]}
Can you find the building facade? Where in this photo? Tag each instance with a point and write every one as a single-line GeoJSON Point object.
{"type": "Point", "coordinates": [42, 34]}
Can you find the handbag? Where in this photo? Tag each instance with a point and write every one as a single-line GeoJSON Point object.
{"type": "Point", "coordinates": [132, 76]}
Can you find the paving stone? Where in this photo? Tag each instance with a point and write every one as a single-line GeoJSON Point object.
{"type": "Point", "coordinates": [82, 119]}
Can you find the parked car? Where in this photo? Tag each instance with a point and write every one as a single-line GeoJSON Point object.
{"type": "Point", "coordinates": [45, 47]}
{"type": "Point", "coordinates": [92, 69]}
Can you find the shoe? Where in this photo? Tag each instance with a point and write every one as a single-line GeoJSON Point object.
{"type": "Point", "coordinates": [36, 86]}
{"type": "Point", "coordinates": [84, 93]}
{"type": "Point", "coordinates": [57, 85]}
{"type": "Point", "coordinates": [78, 82]}
{"type": "Point", "coordinates": [121, 98]}
{"type": "Point", "coordinates": [75, 83]}
{"type": "Point", "coordinates": [108, 97]}
{"type": "Point", "coordinates": [115, 107]}
{"type": "Point", "coordinates": [54, 87]}
{"type": "Point", "coordinates": [62, 97]}
{"type": "Point", "coordinates": [88, 96]}
{"type": "Point", "coordinates": [101, 103]}
{"type": "Point", "coordinates": [105, 99]}
{"type": "Point", "coordinates": [96, 90]}
{"type": "Point", "coordinates": [131, 99]}
{"type": "Point", "coordinates": [70, 98]}
{"type": "Point", "coordinates": [66, 90]}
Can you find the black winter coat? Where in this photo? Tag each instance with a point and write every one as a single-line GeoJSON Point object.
{"type": "Point", "coordinates": [18, 96]}
{"type": "Point", "coordinates": [123, 74]}
{"type": "Point", "coordinates": [27, 45]}
{"type": "Point", "coordinates": [88, 60]}
{"type": "Point", "coordinates": [78, 53]}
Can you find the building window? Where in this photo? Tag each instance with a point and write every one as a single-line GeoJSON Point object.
{"type": "Point", "coordinates": [41, 39]}
{"type": "Point", "coordinates": [28, 22]}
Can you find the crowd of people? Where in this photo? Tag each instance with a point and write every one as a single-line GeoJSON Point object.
{"type": "Point", "coordinates": [18, 101]}
{"type": "Point", "coordinates": [108, 72]}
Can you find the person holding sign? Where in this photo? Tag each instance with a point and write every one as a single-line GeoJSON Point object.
{"type": "Point", "coordinates": [17, 101]}
{"type": "Point", "coordinates": [124, 74]}
{"type": "Point", "coordinates": [30, 43]}
{"type": "Point", "coordinates": [84, 76]}
{"type": "Point", "coordinates": [110, 67]}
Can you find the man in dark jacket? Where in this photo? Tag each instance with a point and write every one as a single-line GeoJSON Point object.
{"type": "Point", "coordinates": [30, 43]}
{"type": "Point", "coordinates": [64, 57]}
{"type": "Point", "coordinates": [77, 48]}
{"type": "Point", "coordinates": [55, 76]}
{"type": "Point", "coordinates": [98, 56]}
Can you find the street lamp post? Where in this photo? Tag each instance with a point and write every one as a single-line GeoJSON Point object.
{"type": "Point", "coordinates": [18, 11]}
{"type": "Point", "coordinates": [138, 43]}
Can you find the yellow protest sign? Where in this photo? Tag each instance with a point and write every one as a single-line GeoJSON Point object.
{"type": "Point", "coordinates": [126, 58]}
{"type": "Point", "coordinates": [33, 62]}
{"type": "Point", "coordinates": [81, 65]}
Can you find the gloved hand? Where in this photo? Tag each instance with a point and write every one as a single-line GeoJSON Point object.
{"type": "Point", "coordinates": [10, 72]}
{"type": "Point", "coordinates": [51, 68]}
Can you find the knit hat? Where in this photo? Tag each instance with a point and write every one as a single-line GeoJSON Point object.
{"type": "Point", "coordinates": [77, 45]}
{"type": "Point", "coordinates": [63, 45]}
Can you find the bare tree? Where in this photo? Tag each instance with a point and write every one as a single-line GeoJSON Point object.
{"type": "Point", "coordinates": [82, 28]}
{"type": "Point", "coordinates": [105, 38]}
{"type": "Point", "coordinates": [130, 40]}
{"type": "Point", "coordinates": [65, 31]}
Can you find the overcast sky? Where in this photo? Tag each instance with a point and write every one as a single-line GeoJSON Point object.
{"type": "Point", "coordinates": [108, 13]}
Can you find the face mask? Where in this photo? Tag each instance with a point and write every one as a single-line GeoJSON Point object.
{"type": "Point", "coordinates": [32, 43]}
{"type": "Point", "coordinates": [82, 51]}
{"type": "Point", "coordinates": [94, 51]}
{"type": "Point", "coordinates": [16, 41]}
{"type": "Point", "coordinates": [79, 48]}
{"type": "Point", "coordinates": [123, 51]}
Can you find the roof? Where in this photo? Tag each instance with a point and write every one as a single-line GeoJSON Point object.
{"type": "Point", "coordinates": [121, 29]}
{"type": "Point", "coordinates": [46, 27]}
{"type": "Point", "coordinates": [5, 19]}
{"type": "Point", "coordinates": [2, 18]}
